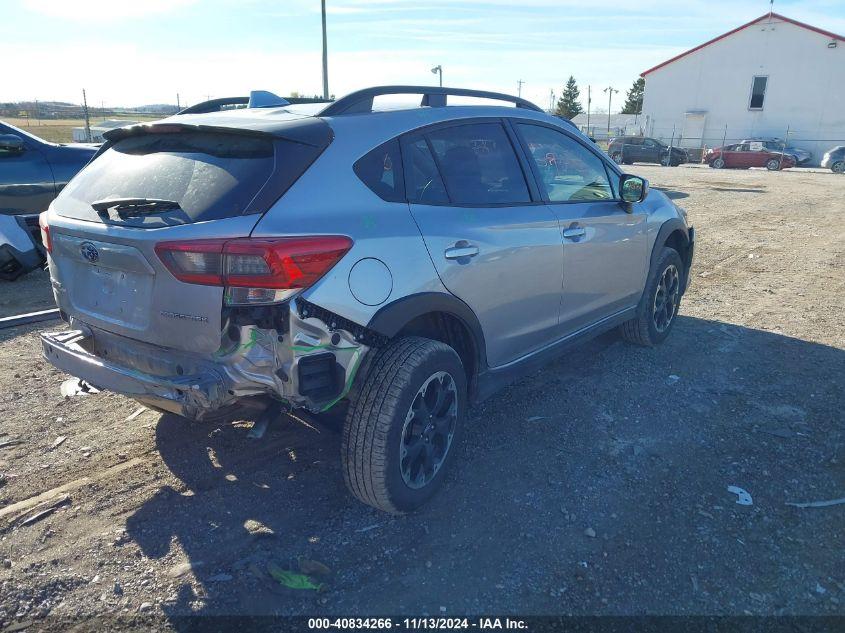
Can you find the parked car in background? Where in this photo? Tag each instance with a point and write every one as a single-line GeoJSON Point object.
{"type": "Point", "coordinates": [32, 173]}
{"type": "Point", "coordinates": [408, 261]}
{"type": "Point", "coordinates": [774, 144]}
{"type": "Point", "coordinates": [834, 159]}
{"type": "Point", "coordinates": [745, 155]}
{"type": "Point", "coordinates": [641, 149]}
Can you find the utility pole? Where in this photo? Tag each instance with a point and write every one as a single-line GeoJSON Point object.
{"type": "Point", "coordinates": [87, 119]}
{"type": "Point", "coordinates": [519, 87]}
{"type": "Point", "coordinates": [325, 55]}
{"type": "Point", "coordinates": [551, 101]}
{"type": "Point", "coordinates": [589, 103]}
{"type": "Point", "coordinates": [178, 105]}
{"type": "Point", "coordinates": [609, 90]}
{"type": "Point", "coordinates": [37, 114]}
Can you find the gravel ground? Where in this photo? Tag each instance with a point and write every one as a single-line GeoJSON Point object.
{"type": "Point", "coordinates": [599, 485]}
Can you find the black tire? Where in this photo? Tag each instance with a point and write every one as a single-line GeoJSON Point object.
{"type": "Point", "coordinates": [372, 439]}
{"type": "Point", "coordinates": [643, 329]}
{"type": "Point", "coordinates": [616, 157]}
{"type": "Point", "coordinates": [717, 163]}
{"type": "Point", "coordinates": [773, 164]}
{"type": "Point", "coordinates": [838, 167]}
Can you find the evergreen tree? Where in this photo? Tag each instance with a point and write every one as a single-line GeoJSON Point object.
{"type": "Point", "coordinates": [634, 100]}
{"type": "Point", "coordinates": [568, 105]}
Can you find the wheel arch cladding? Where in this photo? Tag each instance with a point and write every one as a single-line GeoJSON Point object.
{"type": "Point", "coordinates": [674, 234]}
{"type": "Point", "coordinates": [440, 317]}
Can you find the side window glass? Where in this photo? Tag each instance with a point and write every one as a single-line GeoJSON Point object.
{"type": "Point", "coordinates": [381, 171]}
{"type": "Point", "coordinates": [568, 170]}
{"type": "Point", "coordinates": [423, 181]}
{"type": "Point", "coordinates": [479, 165]}
{"type": "Point", "coordinates": [649, 143]}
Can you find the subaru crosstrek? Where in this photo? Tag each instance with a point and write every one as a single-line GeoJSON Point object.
{"type": "Point", "coordinates": [407, 261]}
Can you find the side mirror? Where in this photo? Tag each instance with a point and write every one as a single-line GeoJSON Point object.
{"type": "Point", "coordinates": [633, 188]}
{"type": "Point", "coordinates": [11, 144]}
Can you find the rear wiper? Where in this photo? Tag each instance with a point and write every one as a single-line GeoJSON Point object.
{"type": "Point", "coordinates": [134, 207]}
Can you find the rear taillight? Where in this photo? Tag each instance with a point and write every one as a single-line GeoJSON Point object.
{"type": "Point", "coordinates": [45, 233]}
{"type": "Point", "coordinates": [254, 271]}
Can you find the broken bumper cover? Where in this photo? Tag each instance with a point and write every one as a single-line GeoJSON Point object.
{"type": "Point", "coordinates": [184, 395]}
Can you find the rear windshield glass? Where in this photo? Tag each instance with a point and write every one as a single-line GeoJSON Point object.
{"type": "Point", "coordinates": [210, 176]}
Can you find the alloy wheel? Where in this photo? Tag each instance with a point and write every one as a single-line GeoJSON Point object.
{"type": "Point", "coordinates": [428, 431]}
{"type": "Point", "coordinates": [666, 298]}
{"type": "Point", "coordinates": [617, 158]}
{"type": "Point", "coordinates": [838, 167]}
{"type": "Point", "coordinates": [718, 163]}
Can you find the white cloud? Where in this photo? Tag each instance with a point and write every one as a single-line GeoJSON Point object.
{"type": "Point", "coordinates": [103, 10]}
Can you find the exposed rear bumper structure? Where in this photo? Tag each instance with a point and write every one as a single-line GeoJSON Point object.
{"type": "Point", "coordinates": [185, 395]}
{"type": "Point", "coordinates": [307, 363]}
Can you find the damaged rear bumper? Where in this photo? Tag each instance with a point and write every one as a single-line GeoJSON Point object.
{"type": "Point", "coordinates": [185, 395]}
{"type": "Point", "coordinates": [310, 362]}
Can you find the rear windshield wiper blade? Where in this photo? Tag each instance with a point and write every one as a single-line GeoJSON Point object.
{"type": "Point", "coordinates": [133, 207]}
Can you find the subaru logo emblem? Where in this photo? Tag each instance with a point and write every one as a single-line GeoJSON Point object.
{"type": "Point", "coordinates": [89, 252]}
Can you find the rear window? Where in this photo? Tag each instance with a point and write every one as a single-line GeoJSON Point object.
{"type": "Point", "coordinates": [209, 175]}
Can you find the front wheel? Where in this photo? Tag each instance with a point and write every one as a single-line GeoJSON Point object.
{"type": "Point", "coordinates": [659, 304]}
{"type": "Point", "coordinates": [402, 428]}
{"type": "Point", "coordinates": [617, 157]}
{"type": "Point", "coordinates": [773, 164]}
{"type": "Point", "coordinates": [838, 167]}
{"type": "Point", "coordinates": [719, 163]}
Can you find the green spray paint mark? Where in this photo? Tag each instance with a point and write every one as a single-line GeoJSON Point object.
{"type": "Point", "coordinates": [347, 387]}
{"type": "Point", "coordinates": [253, 339]}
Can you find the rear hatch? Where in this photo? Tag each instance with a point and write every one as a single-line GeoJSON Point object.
{"type": "Point", "coordinates": [168, 182]}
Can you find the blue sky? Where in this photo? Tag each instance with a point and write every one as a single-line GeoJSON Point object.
{"type": "Point", "coordinates": [130, 52]}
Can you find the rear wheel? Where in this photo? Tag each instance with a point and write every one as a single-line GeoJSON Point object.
{"type": "Point", "coordinates": [403, 424]}
{"type": "Point", "coordinates": [617, 157]}
{"type": "Point", "coordinates": [659, 304]}
{"type": "Point", "coordinates": [838, 167]}
{"type": "Point", "coordinates": [773, 164]}
{"type": "Point", "coordinates": [719, 163]}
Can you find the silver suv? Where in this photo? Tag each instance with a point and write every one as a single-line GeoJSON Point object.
{"type": "Point", "coordinates": [407, 262]}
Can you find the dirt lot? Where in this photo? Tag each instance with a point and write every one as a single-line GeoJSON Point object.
{"type": "Point", "coordinates": [596, 486]}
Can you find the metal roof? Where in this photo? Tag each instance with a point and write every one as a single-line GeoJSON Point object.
{"type": "Point", "coordinates": [809, 27]}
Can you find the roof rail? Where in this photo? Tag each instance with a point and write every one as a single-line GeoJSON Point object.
{"type": "Point", "coordinates": [361, 101]}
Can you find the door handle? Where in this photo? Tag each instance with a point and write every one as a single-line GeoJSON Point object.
{"type": "Point", "coordinates": [461, 249]}
{"type": "Point", "coordinates": [574, 232]}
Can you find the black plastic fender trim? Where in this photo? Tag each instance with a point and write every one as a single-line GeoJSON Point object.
{"type": "Point", "coordinates": [390, 319]}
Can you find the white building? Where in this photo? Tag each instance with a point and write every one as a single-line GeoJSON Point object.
{"type": "Point", "coordinates": [98, 129]}
{"type": "Point", "coordinates": [762, 79]}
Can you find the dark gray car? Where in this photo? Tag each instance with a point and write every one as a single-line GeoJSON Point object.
{"type": "Point", "coordinates": [641, 149]}
{"type": "Point", "coordinates": [32, 173]}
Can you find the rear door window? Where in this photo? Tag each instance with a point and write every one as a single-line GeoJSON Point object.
{"type": "Point", "coordinates": [423, 180]}
{"type": "Point", "coordinates": [381, 171]}
{"type": "Point", "coordinates": [209, 175]}
{"type": "Point", "coordinates": [479, 165]}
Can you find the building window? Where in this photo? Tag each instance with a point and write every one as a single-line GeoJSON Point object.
{"type": "Point", "coordinates": [758, 93]}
